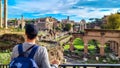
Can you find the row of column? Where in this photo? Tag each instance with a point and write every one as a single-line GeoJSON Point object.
{"type": "Point", "coordinates": [82, 26]}
{"type": "Point", "coordinates": [114, 46]}
{"type": "Point", "coordinates": [5, 14]}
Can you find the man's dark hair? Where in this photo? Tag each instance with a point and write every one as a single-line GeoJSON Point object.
{"type": "Point", "coordinates": [31, 31]}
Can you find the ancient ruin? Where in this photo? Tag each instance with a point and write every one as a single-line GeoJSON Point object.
{"type": "Point", "coordinates": [111, 37]}
{"type": "Point", "coordinates": [5, 14]}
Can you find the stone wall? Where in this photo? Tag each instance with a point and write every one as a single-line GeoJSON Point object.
{"type": "Point", "coordinates": [8, 41]}
{"type": "Point", "coordinates": [56, 53]}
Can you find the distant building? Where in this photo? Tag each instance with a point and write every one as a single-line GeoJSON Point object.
{"type": "Point", "coordinates": [80, 26]}
{"type": "Point", "coordinates": [66, 21]}
{"type": "Point", "coordinates": [47, 23]}
{"type": "Point", "coordinates": [83, 25]}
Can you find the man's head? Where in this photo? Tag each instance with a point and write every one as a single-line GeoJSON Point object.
{"type": "Point", "coordinates": [31, 31]}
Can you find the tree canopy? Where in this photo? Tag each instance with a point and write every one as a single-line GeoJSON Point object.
{"type": "Point", "coordinates": [67, 27]}
{"type": "Point", "coordinates": [113, 21]}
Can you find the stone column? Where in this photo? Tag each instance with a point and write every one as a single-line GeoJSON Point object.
{"type": "Point", "coordinates": [85, 26]}
{"type": "Point", "coordinates": [102, 45]}
{"type": "Point", "coordinates": [113, 46]}
{"type": "Point", "coordinates": [1, 24]}
{"type": "Point", "coordinates": [22, 22]}
{"type": "Point", "coordinates": [102, 50]}
{"type": "Point", "coordinates": [85, 48]}
{"type": "Point", "coordinates": [118, 50]}
{"type": "Point", "coordinates": [71, 44]}
{"type": "Point", "coordinates": [80, 26]}
{"type": "Point", "coordinates": [71, 30]}
{"type": "Point", "coordinates": [110, 46]}
{"type": "Point", "coordinates": [5, 13]}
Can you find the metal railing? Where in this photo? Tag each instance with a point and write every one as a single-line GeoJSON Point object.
{"type": "Point", "coordinates": [4, 66]}
{"type": "Point", "coordinates": [89, 65]}
{"type": "Point", "coordinates": [79, 66]}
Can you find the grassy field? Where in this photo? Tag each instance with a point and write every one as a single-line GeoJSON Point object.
{"type": "Point", "coordinates": [79, 47]}
{"type": "Point", "coordinates": [79, 44]}
{"type": "Point", "coordinates": [5, 58]}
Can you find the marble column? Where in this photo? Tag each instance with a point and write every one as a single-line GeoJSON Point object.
{"type": "Point", "coordinates": [1, 24]}
{"type": "Point", "coordinates": [5, 13]}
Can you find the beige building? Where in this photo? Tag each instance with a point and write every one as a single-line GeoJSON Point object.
{"type": "Point", "coordinates": [47, 23]}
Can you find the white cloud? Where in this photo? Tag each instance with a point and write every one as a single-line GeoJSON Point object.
{"type": "Point", "coordinates": [63, 7]}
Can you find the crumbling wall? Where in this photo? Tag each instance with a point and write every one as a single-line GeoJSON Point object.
{"type": "Point", "coordinates": [55, 52]}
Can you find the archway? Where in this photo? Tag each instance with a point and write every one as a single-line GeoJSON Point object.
{"type": "Point", "coordinates": [112, 47]}
{"type": "Point", "coordinates": [78, 43]}
{"type": "Point", "coordinates": [75, 43]}
{"type": "Point", "coordinates": [93, 47]}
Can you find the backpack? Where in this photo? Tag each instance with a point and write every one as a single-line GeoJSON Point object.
{"type": "Point", "coordinates": [22, 61]}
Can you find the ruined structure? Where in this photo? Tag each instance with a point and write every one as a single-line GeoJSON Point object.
{"type": "Point", "coordinates": [82, 25]}
{"type": "Point", "coordinates": [5, 14]}
{"type": "Point", "coordinates": [46, 23]}
{"type": "Point", "coordinates": [110, 37]}
{"type": "Point", "coordinates": [1, 24]}
{"type": "Point", "coordinates": [22, 22]}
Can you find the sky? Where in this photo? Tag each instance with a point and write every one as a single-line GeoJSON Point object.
{"type": "Point", "coordinates": [60, 9]}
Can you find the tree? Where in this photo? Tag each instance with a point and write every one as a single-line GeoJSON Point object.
{"type": "Point", "coordinates": [67, 27]}
{"type": "Point", "coordinates": [113, 21]}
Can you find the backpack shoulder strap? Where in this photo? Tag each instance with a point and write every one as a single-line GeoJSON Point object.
{"type": "Point", "coordinates": [32, 53]}
{"type": "Point", "coordinates": [20, 49]}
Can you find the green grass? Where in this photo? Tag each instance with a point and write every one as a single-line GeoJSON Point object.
{"type": "Point", "coordinates": [66, 47]}
{"type": "Point", "coordinates": [91, 47]}
{"type": "Point", "coordinates": [78, 41]}
{"type": "Point", "coordinates": [79, 44]}
{"type": "Point", "coordinates": [4, 58]}
{"type": "Point", "coordinates": [79, 47]}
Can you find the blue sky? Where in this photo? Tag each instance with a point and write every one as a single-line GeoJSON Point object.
{"type": "Point", "coordinates": [60, 9]}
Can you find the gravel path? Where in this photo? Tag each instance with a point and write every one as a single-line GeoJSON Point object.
{"type": "Point", "coordinates": [73, 61]}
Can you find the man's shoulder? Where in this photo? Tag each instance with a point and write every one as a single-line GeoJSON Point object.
{"type": "Point", "coordinates": [15, 47]}
{"type": "Point", "coordinates": [41, 47]}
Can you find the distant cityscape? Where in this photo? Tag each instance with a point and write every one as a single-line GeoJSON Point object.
{"type": "Point", "coordinates": [50, 22]}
